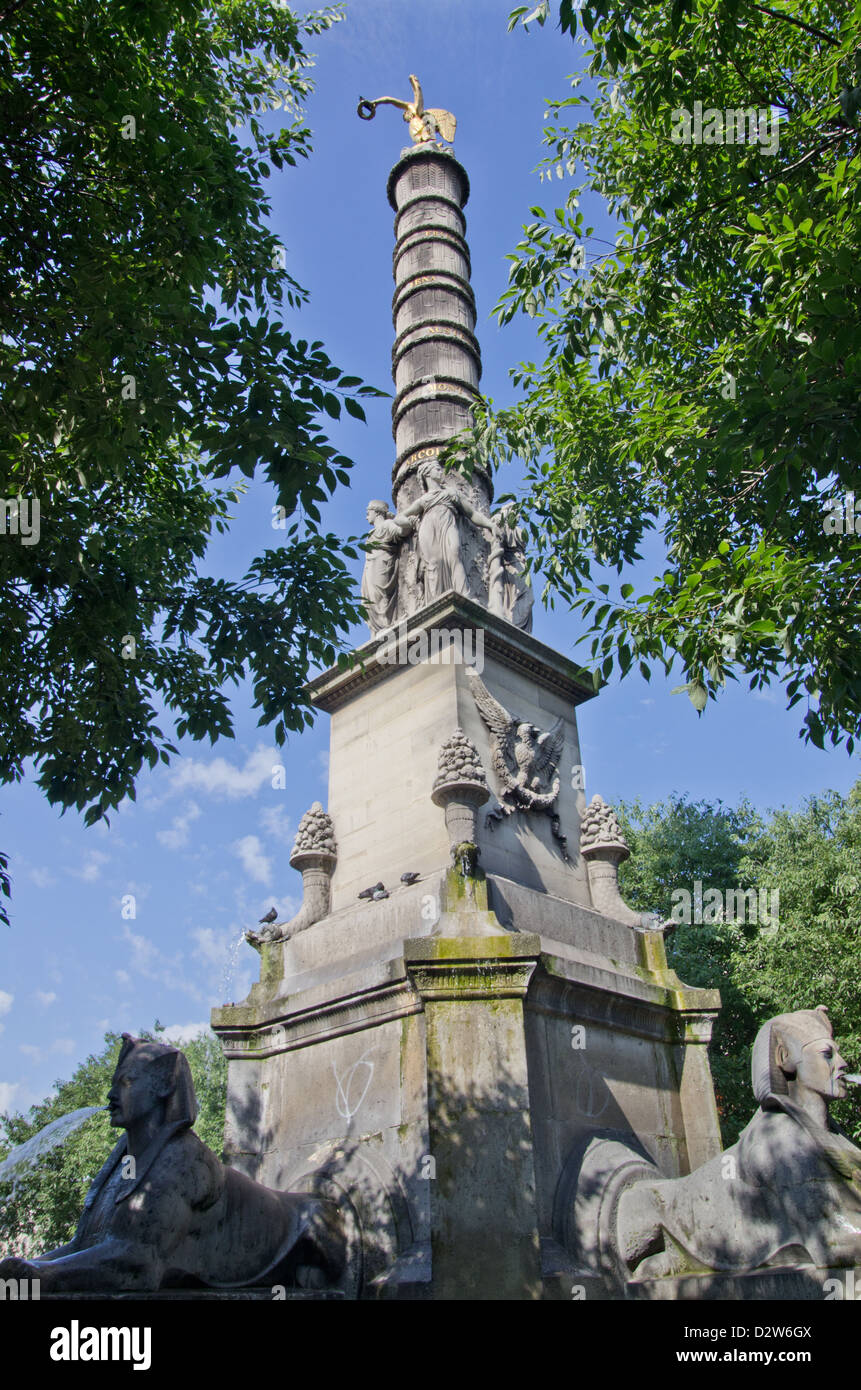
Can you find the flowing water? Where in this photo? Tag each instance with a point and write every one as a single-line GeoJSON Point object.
{"type": "Point", "coordinates": [26, 1155]}
{"type": "Point", "coordinates": [230, 966]}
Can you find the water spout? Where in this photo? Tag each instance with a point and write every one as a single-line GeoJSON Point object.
{"type": "Point", "coordinates": [231, 965]}
{"type": "Point", "coordinates": [29, 1154]}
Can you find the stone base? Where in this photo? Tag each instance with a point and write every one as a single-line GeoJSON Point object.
{"type": "Point", "coordinates": [805, 1283]}
{"type": "Point", "coordinates": [196, 1296]}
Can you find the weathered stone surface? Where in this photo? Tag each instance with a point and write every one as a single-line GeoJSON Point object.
{"type": "Point", "coordinates": [358, 1028]}
{"type": "Point", "coordinates": [396, 716]}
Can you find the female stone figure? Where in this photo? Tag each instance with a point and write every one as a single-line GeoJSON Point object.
{"type": "Point", "coordinates": [440, 543]}
{"type": "Point", "coordinates": [380, 576]}
{"type": "Point", "coordinates": [509, 590]}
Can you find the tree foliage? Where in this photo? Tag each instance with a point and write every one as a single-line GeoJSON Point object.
{"type": "Point", "coordinates": [702, 378]}
{"type": "Point", "coordinates": [42, 1209]}
{"type": "Point", "coordinates": [810, 857]}
{"type": "Point", "coordinates": [145, 371]}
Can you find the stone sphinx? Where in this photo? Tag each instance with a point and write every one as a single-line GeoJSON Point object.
{"type": "Point", "coordinates": [787, 1194]}
{"type": "Point", "coordinates": [164, 1212]}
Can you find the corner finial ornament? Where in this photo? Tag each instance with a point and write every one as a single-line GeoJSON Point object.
{"type": "Point", "coordinates": [425, 123]}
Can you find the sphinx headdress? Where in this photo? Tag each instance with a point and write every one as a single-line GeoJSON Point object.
{"type": "Point", "coordinates": [802, 1027]}
{"type": "Point", "coordinates": [181, 1107]}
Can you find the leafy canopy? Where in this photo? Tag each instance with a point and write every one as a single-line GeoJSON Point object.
{"type": "Point", "coordinates": [702, 378]}
{"type": "Point", "coordinates": [145, 370]}
{"type": "Point", "coordinates": [809, 858]}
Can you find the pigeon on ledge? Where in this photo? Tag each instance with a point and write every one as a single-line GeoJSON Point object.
{"type": "Point", "coordinates": [271, 916]}
{"type": "Point", "coordinates": [410, 878]}
{"type": "Point", "coordinates": [371, 892]}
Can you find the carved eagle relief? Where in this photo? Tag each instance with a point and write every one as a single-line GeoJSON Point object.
{"type": "Point", "coordinates": [525, 759]}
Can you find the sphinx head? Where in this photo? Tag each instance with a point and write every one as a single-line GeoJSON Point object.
{"type": "Point", "coordinates": [151, 1077]}
{"type": "Point", "coordinates": [795, 1055]}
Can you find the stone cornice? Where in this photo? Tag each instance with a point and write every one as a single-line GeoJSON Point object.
{"type": "Point", "coordinates": [672, 1015]}
{"type": "Point", "coordinates": [276, 1029]}
{"type": "Point", "coordinates": [507, 644]}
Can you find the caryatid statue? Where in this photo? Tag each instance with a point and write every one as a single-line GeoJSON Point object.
{"type": "Point", "coordinates": [165, 1212]}
{"type": "Point", "coordinates": [440, 508]}
{"type": "Point", "coordinates": [509, 588]}
{"type": "Point", "coordinates": [788, 1193]}
{"type": "Point", "coordinates": [380, 575]}
{"type": "Point", "coordinates": [439, 517]}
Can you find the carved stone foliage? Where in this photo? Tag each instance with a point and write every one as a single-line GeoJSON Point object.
{"type": "Point", "coordinates": [314, 854]}
{"type": "Point", "coordinates": [600, 829]}
{"type": "Point", "coordinates": [460, 788]}
{"type": "Point", "coordinates": [459, 761]}
{"type": "Point", "coordinates": [315, 835]}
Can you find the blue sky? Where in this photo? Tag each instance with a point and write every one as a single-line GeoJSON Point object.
{"type": "Point", "coordinates": [204, 849]}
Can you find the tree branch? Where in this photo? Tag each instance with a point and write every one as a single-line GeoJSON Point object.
{"type": "Point", "coordinates": [799, 23]}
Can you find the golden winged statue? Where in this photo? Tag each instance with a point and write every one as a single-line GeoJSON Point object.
{"type": "Point", "coordinates": [425, 123]}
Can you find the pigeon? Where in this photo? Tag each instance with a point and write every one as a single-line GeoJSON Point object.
{"type": "Point", "coordinates": [371, 892]}
{"type": "Point", "coordinates": [271, 916]}
{"type": "Point", "coordinates": [380, 893]}
{"type": "Point", "coordinates": [410, 878]}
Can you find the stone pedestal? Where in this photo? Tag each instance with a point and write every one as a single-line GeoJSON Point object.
{"type": "Point", "coordinates": [437, 1060]}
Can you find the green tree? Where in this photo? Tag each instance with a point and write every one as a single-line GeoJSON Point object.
{"type": "Point", "coordinates": [813, 858]}
{"type": "Point", "coordinates": [702, 378]}
{"type": "Point", "coordinates": [41, 1209]}
{"type": "Point", "coordinates": [674, 844]}
{"type": "Point", "coordinates": [811, 956]}
{"type": "Point", "coordinates": [144, 371]}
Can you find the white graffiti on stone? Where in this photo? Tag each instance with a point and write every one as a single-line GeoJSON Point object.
{"type": "Point", "coordinates": [346, 1105]}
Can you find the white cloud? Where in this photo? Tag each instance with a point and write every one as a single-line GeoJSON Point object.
{"type": "Point", "coordinates": [211, 947]}
{"type": "Point", "coordinates": [122, 977]}
{"type": "Point", "coordinates": [177, 836]}
{"type": "Point", "coordinates": [148, 960]}
{"type": "Point", "coordinates": [8, 1092]}
{"type": "Point", "coordinates": [34, 1053]}
{"type": "Point", "coordinates": [184, 1032]}
{"type": "Point", "coordinates": [45, 997]}
{"type": "Point", "coordinates": [92, 868]}
{"type": "Point", "coordinates": [6, 1002]}
{"type": "Point", "coordinates": [43, 878]}
{"type": "Point", "coordinates": [222, 778]}
{"type": "Point", "coordinates": [277, 824]}
{"type": "Point", "coordinates": [249, 851]}
{"type": "Point", "coordinates": [65, 1045]}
